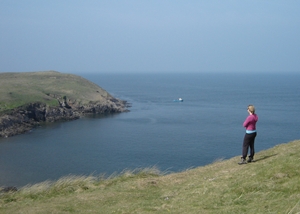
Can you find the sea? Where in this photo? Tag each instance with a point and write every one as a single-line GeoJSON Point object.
{"type": "Point", "coordinates": [158, 132]}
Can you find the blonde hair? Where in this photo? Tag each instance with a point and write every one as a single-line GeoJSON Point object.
{"type": "Point", "coordinates": [251, 108]}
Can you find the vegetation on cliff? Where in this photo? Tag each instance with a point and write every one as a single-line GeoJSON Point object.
{"type": "Point", "coordinates": [49, 87]}
{"type": "Point", "coordinates": [31, 97]}
{"type": "Point", "coordinates": [269, 185]}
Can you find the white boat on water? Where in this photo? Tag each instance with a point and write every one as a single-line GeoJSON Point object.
{"type": "Point", "coordinates": [178, 100]}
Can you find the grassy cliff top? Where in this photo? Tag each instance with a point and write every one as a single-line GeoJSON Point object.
{"type": "Point", "coordinates": [18, 89]}
{"type": "Point", "coordinates": [271, 184]}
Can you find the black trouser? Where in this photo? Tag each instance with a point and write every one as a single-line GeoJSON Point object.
{"type": "Point", "coordinates": [248, 142]}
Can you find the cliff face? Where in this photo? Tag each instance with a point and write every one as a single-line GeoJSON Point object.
{"type": "Point", "coordinates": [25, 118]}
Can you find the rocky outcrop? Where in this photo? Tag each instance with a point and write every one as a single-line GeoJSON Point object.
{"type": "Point", "coordinates": [25, 118]}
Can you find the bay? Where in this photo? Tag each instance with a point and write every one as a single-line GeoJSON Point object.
{"type": "Point", "coordinates": [172, 136]}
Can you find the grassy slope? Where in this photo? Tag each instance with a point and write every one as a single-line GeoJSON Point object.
{"type": "Point", "coordinates": [17, 89]}
{"type": "Point", "coordinates": [269, 185]}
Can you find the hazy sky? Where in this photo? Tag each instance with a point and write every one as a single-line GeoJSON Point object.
{"type": "Point", "coordinates": [150, 36]}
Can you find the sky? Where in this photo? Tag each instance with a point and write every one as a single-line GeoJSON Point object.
{"type": "Point", "coordinates": [107, 36]}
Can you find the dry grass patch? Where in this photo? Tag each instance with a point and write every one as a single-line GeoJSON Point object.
{"type": "Point", "coordinates": [269, 185]}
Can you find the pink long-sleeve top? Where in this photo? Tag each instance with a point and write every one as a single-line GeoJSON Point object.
{"type": "Point", "coordinates": [250, 122]}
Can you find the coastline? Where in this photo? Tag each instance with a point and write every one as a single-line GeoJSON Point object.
{"type": "Point", "coordinates": [24, 119]}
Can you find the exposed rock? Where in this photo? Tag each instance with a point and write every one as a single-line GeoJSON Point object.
{"type": "Point", "coordinates": [25, 118]}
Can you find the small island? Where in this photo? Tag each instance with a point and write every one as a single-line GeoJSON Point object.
{"type": "Point", "coordinates": [28, 99]}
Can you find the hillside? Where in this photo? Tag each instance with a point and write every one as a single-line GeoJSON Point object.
{"type": "Point", "coordinates": [271, 184]}
{"type": "Point", "coordinates": [18, 89]}
{"type": "Point", "coordinates": [28, 98]}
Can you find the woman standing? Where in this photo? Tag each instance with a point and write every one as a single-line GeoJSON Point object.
{"type": "Point", "coordinates": [250, 125]}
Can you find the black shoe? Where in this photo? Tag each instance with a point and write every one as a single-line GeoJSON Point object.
{"type": "Point", "coordinates": [243, 161]}
{"type": "Point", "coordinates": [250, 160]}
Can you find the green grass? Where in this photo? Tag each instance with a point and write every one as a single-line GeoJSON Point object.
{"type": "Point", "coordinates": [19, 89]}
{"type": "Point", "coordinates": [269, 185]}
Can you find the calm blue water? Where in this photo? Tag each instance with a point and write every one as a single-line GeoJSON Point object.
{"type": "Point", "coordinates": [157, 131]}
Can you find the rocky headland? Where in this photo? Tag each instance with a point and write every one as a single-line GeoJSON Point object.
{"type": "Point", "coordinates": [29, 99]}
